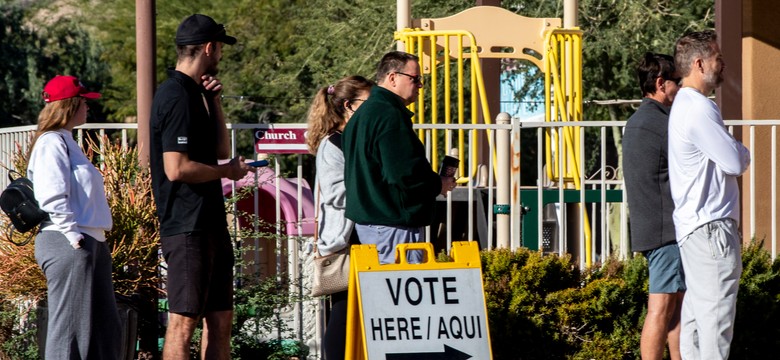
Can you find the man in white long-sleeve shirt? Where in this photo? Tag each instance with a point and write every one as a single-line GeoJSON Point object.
{"type": "Point", "coordinates": [704, 162]}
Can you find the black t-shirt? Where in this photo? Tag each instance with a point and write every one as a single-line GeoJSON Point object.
{"type": "Point", "coordinates": [181, 123]}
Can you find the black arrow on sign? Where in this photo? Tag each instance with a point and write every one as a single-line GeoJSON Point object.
{"type": "Point", "coordinates": [448, 354]}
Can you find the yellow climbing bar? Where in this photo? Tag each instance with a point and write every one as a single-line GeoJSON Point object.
{"type": "Point", "coordinates": [563, 101]}
{"type": "Point", "coordinates": [563, 98]}
{"type": "Point", "coordinates": [448, 56]}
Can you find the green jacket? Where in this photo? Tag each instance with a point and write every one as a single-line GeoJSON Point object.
{"type": "Point", "coordinates": [388, 178]}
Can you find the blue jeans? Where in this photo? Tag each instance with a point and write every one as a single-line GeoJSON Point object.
{"type": "Point", "coordinates": [387, 237]}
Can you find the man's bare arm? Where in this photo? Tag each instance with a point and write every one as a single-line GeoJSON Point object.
{"type": "Point", "coordinates": [179, 167]}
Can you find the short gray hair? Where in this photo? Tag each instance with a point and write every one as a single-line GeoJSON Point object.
{"type": "Point", "coordinates": [691, 46]}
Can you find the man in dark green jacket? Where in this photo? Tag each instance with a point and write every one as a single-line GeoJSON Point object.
{"type": "Point", "coordinates": [391, 187]}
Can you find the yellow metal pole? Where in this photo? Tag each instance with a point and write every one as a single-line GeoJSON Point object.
{"type": "Point", "coordinates": [461, 100]}
{"type": "Point", "coordinates": [447, 93]}
{"type": "Point", "coordinates": [420, 113]}
{"type": "Point", "coordinates": [566, 116]}
{"type": "Point", "coordinates": [548, 104]}
{"type": "Point", "coordinates": [434, 103]}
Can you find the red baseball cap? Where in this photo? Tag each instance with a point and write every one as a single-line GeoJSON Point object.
{"type": "Point", "coordinates": [65, 87]}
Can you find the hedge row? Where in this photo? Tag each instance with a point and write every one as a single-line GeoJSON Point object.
{"type": "Point", "coordinates": [544, 307]}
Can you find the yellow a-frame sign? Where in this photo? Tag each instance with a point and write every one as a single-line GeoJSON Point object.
{"type": "Point", "coordinates": [420, 311]}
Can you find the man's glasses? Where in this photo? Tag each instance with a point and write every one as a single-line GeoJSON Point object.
{"type": "Point", "coordinates": [415, 79]}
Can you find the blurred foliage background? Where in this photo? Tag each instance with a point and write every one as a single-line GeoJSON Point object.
{"type": "Point", "coordinates": [540, 307]}
{"type": "Point", "coordinates": [287, 49]}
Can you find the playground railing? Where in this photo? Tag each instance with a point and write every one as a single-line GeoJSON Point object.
{"type": "Point", "coordinates": [544, 215]}
{"type": "Point", "coordinates": [539, 205]}
{"type": "Point", "coordinates": [447, 57]}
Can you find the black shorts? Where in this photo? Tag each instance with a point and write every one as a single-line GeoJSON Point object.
{"type": "Point", "coordinates": [200, 272]}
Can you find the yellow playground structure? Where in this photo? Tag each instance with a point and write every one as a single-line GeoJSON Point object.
{"type": "Point", "coordinates": [450, 50]}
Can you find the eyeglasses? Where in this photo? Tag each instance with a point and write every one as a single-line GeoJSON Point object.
{"type": "Point", "coordinates": [353, 101]}
{"type": "Point", "coordinates": [415, 79]}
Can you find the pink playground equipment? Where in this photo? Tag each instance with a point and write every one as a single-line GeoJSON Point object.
{"type": "Point", "coordinates": [263, 188]}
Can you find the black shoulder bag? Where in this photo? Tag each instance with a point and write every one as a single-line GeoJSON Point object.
{"type": "Point", "coordinates": [18, 202]}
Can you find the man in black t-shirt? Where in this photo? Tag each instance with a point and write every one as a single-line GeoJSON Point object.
{"type": "Point", "coordinates": [188, 135]}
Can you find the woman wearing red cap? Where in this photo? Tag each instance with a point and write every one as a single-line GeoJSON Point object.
{"type": "Point", "coordinates": [71, 246]}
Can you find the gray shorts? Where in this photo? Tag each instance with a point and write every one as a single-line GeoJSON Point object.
{"type": "Point", "coordinates": [666, 271]}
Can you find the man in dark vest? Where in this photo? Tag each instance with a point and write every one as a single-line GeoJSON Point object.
{"type": "Point", "coordinates": [646, 173]}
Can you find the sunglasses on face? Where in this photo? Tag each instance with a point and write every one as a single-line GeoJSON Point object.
{"type": "Point", "coordinates": [415, 79]}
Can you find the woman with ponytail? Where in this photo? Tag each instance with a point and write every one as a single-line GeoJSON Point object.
{"type": "Point", "coordinates": [331, 109]}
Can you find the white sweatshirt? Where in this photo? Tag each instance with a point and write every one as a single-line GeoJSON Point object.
{"type": "Point", "coordinates": [68, 187]}
{"type": "Point", "coordinates": [704, 162]}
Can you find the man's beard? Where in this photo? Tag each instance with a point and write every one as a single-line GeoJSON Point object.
{"type": "Point", "coordinates": [714, 79]}
{"type": "Point", "coordinates": [213, 68]}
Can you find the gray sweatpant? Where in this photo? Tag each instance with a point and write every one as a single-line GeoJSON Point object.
{"type": "Point", "coordinates": [711, 257]}
{"type": "Point", "coordinates": [83, 318]}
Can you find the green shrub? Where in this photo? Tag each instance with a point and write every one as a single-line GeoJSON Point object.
{"type": "Point", "coordinates": [756, 330]}
{"type": "Point", "coordinates": [516, 287]}
{"type": "Point", "coordinates": [17, 333]}
{"type": "Point", "coordinates": [543, 307]}
{"type": "Point", "coordinates": [134, 234]}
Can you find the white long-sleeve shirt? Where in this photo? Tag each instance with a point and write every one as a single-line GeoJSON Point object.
{"type": "Point", "coordinates": [68, 187]}
{"type": "Point", "coordinates": [704, 162]}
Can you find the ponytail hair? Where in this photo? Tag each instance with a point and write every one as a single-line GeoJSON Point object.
{"type": "Point", "coordinates": [328, 110]}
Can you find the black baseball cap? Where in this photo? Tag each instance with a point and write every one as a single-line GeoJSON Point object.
{"type": "Point", "coordinates": [199, 29]}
